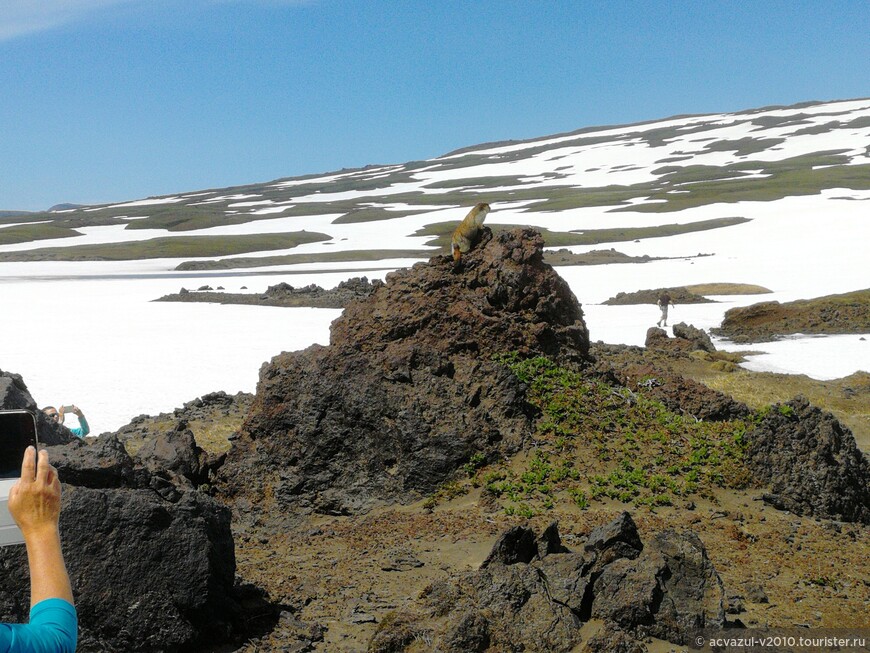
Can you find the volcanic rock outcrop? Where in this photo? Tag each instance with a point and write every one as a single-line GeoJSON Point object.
{"type": "Point", "coordinates": [811, 463]}
{"type": "Point", "coordinates": [846, 313]}
{"type": "Point", "coordinates": [150, 558]}
{"type": "Point", "coordinates": [407, 390]}
{"type": "Point", "coordinates": [534, 594]}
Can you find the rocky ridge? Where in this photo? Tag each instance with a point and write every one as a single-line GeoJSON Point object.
{"type": "Point", "coordinates": [533, 593]}
{"type": "Point", "coordinates": [283, 294]}
{"type": "Point", "coordinates": [846, 313]}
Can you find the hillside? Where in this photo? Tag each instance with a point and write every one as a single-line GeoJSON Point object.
{"type": "Point", "coordinates": [664, 167]}
{"type": "Point", "coordinates": [764, 198]}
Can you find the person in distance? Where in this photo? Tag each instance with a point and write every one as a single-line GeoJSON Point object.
{"type": "Point", "coordinates": [58, 415]}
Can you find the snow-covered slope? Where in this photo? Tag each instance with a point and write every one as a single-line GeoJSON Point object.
{"type": "Point", "coordinates": [77, 280]}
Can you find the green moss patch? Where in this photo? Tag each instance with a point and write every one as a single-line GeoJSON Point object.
{"type": "Point", "coordinates": [372, 214]}
{"type": "Point", "coordinates": [176, 247]}
{"type": "Point", "coordinates": [28, 233]}
{"type": "Point", "coordinates": [595, 442]}
{"type": "Point", "coordinates": [727, 289]}
{"type": "Point", "coordinates": [320, 257]}
{"type": "Point", "coordinates": [443, 230]}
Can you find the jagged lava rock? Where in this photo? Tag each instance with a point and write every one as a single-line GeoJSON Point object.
{"type": "Point", "coordinates": [151, 560]}
{"type": "Point", "coordinates": [686, 338]}
{"type": "Point", "coordinates": [407, 390]}
{"type": "Point", "coordinates": [533, 594]}
{"type": "Point", "coordinates": [811, 462]}
{"type": "Point", "coordinates": [698, 337]}
{"type": "Point", "coordinates": [680, 394]}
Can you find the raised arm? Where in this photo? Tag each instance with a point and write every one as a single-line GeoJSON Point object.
{"type": "Point", "coordinates": [34, 503]}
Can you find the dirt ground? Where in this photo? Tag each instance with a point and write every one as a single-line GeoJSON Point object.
{"type": "Point", "coordinates": [347, 574]}
{"type": "Point", "coordinates": [338, 577]}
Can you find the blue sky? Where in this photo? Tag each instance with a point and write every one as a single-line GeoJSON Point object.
{"type": "Point", "coordinates": [110, 100]}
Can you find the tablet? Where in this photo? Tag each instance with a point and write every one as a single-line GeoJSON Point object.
{"type": "Point", "coordinates": [17, 432]}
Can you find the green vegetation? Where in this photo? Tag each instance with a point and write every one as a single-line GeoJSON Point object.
{"type": "Point", "coordinates": [170, 247]}
{"type": "Point", "coordinates": [443, 230]}
{"type": "Point", "coordinates": [189, 218]}
{"type": "Point", "coordinates": [674, 188]}
{"type": "Point", "coordinates": [727, 289]}
{"type": "Point", "coordinates": [744, 146]}
{"type": "Point", "coordinates": [782, 179]}
{"type": "Point", "coordinates": [320, 257]}
{"type": "Point", "coordinates": [478, 182]}
{"type": "Point", "coordinates": [372, 214]}
{"type": "Point", "coordinates": [28, 233]}
{"type": "Point", "coordinates": [595, 442]}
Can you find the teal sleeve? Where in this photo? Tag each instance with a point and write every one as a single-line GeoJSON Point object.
{"type": "Point", "coordinates": [83, 430]}
{"type": "Point", "coordinates": [53, 628]}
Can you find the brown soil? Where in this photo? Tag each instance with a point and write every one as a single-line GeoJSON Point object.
{"type": "Point", "coordinates": [331, 571]}
{"type": "Point", "coordinates": [342, 576]}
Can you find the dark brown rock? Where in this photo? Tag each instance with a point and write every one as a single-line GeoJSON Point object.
{"type": "Point", "coordinates": [846, 313]}
{"type": "Point", "coordinates": [104, 463]}
{"type": "Point", "coordinates": [175, 453]}
{"type": "Point", "coordinates": [679, 295]}
{"type": "Point", "coordinates": [811, 463]}
{"type": "Point", "coordinates": [686, 338]}
{"type": "Point", "coordinates": [148, 574]}
{"type": "Point", "coordinates": [524, 602]}
{"type": "Point", "coordinates": [152, 571]}
{"type": "Point", "coordinates": [698, 337]}
{"type": "Point", "coordinates": [407, 391]}
{"type": "Point", "coordinates": [680, 394]}
{"type": "Point", "coordinates": [669, 591]}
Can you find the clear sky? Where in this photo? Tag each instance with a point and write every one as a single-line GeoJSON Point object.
{"type": "Point", "coordinates": [110, 100]}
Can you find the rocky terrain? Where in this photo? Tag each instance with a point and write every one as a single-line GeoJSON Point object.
{"type": "Point", "coordinates": [679, 295]}
{"type": "Point", "coordinates": [461, 469]}
{"type": "Point", "coordinates": [283, 294]}
{"type": "Point", "coordinates": [847, 313]}
{"type": "Point", "coordinates": [599, 257]}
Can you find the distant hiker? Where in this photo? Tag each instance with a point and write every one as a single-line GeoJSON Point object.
{"type": "Point", "coordinates": [34, 503]}
{"type": "Point", "coordinates": [664, 302]}
{"type": "Point", "coordinates": [59, 415]}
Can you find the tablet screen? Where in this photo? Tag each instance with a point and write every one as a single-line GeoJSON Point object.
{"type": "Point", "coordinates": [17, 432]}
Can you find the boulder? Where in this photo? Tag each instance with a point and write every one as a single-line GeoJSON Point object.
{"type": "Point", "coordinates": [407, 391]}
{"type": "Point", "coordinates": [151, 560]}
{"type": "Point", "coordinates": [175, 456]}
{"type": "Point", "coordinates": [519, 600]}
{"type": "Point", "coordinates": [698, 337]}
{"type": "Point", "coordinates": [668, 592]}
{"type": "Point", "coordinates": [811, 463]}
{"type": "Point", "coordinates": [681, 394]}
{"type": "Point", "coordinates": [104, 463]}
{"type": "Point", "coordinates": [686, 339]}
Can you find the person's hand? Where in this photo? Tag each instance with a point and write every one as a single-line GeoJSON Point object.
{"type": "Point", "coordinates": [34, 501]}
{"type": "Point", "coordinates": [60, 414]}
{"type": "Point", "coordinates": [77, 411]}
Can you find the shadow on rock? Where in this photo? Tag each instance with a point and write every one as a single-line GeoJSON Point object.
{"type": "Point", "coordinates": [811, 463]}
{"type": "Point", "coordinates": [408, 389]}
{"type": "Point", "coordinates": [151, 559]}
{"type": "Point", "coordinates": [533, 594]}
